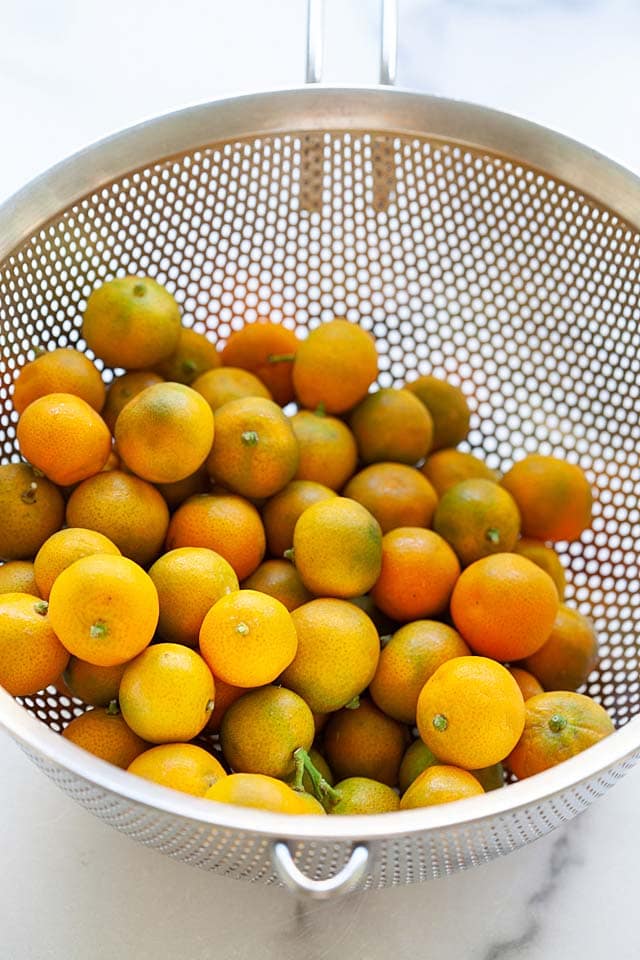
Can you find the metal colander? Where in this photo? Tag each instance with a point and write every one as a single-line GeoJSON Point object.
{"type": "Point", "coordinates": [474, 246]}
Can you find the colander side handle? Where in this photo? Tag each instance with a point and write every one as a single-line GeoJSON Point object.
{"type": "Point", "coordinates": [343, 882]}
{"type": "Point", "coordinates": [388, 41]}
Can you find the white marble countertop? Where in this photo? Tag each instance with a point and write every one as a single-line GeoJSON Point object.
{"type": "Point", "coordinates": [71, 73]}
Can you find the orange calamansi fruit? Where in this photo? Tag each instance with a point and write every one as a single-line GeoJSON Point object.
{"type": "Point", "coordinates": [179, 766]}
{"type": "Point", "coordinates": [125, 388]}
{"type": "Point", "coordinates": [280, 579]}
{"type": "Point", "coordinates": [176, 493]}
{"type": "Point", "coordinates": [529, 686]}
{"type": "Point", "coordinates": [392, 425]}
{"type": "Point", "coordinates": [62, 549]}
{"type": "Point", "coordinates": [226, 694]}
{"type": "Point", "coordinates": [164, 433]}
{"type": "Point", "coordinates": [362, 741]}
{"type": "Point", "coordinates": [258, 791]}
{"type": "Point", "coordinates": [444, 468]}
{"type": "Point", "coordinates": [104, 609]}
{"type": "Point", "coordinates": [189, 580]}
{"type": "Point", "coordinates": [63, 422]}
{"type": "Point", "coordinates": [335, 366]}
{"type": "Point", "coordinates": [553, 496]}
{"type": "Point", "coordinates": [477, 518]}
{"type": "Point", "coordinates": [267, 350]}
{"type": "Point", "coordinates": [194, 355]}
{"type": "Point", "coordinates": [411, 656]}
{"type": "Point", "coordinates": [440, 783]}
{"type": "Point", "coordinates": [337, 654]}
{"type": "Point", "coordinates": [546, 558]}
{"type": "Point", "coordinates": [31, 655]}
{"type": "Point", "coordinates": [255, 451]}
{"type": "Point", "coordinates": [395, 494]}
{"type": "Point", "coordinates": [104, 733]}
{"type": "Point", "coordinates": [282, 511]}
{"type": "Point", "coordinates": [362, 795]}
{"type": "Point", "coordinates": [131, 322]}
{"type": "Point", "coordinates": [127, 510]}
{"type": "Point", "coordinates": [63, 370]}
{"type": "Point", "coordinates": [227, 524]}
{"type": "Point", "coordinates": [327, 448]}
{"type": "Point", "coordinates": [504, 606]}
{"type": "Point", "coordinates": [558, 725]}
{"type": "Point", "coordinates": [337, 547]}
{"type": "Point", "coordinates": [471, 712]}
{"type": "Point", "coordinates": [448, 408]}
{"type": "Point", "coordinates": [32, 509]}
{"type": "Point", "coordinates": [417, 757]}
{"type": "Point", "coordinates": [17, 576]}
{"type": "Point", "coordinates": [419, 571]}
{"type": "Point", "coordinates": [248, 638]}
{"type": "Point", "coordinates": [94, 685]}
{"type": "Point", "coordinates": [167, 693]}
{"type": "Point", "coordinates": [568, 656]}
{"type": "Point", "coordinates": [260, 731]}
{"type": "Point", "coordinates": [222, 384]}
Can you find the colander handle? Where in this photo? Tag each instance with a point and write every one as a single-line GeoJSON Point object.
{"type": "Point", "coordinates": [388, 41]}
{"type": "Point", "coordinates": [344, 881]}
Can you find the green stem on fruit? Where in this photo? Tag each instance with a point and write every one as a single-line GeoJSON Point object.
{"type": "Point", "coordinates": [189, 367]}
{"type": "Point", "coordinates": [281, 357]}
{"type": "Point", "coordinates": [290, 555]}
{"type": "Point", "coordinates": [249, 438]}
{"type": "Point", "coordinates": [440, 722]}
{"type": "Point", "coordinates": [210, 705]}
{"type": "Point", "coordinates": [98, 630]}
{"type": "Point", "coordinates": [557, 723]}
{"type": "Point", "coordinates": [323, 791]}
{"type": "Point", "coordinates": [384, 640]}
{"type": "Point", "coordinates": [242, 629]}
{"type": "Point", "coordinates": [139, 290]}
{"type": "Point", "coordinates": [493, 535]}
{"type": "Point", "coordinates": [112, 708]}
{"type": "Point", "coordinates": [353, 704]}
{"type": "Point", "coordinates": [321, 410]}
{"type": "Point", "coordinates": [298, 760]}
{"type": "Point", "coordinates": [30, 494]}
{"type": "Point", "coordinates": [41, 607]}
{"type": "Point", "coordinates": [39, 350]}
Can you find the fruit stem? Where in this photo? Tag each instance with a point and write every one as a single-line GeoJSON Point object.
{"type": "Point", "coordinates": [41, 607]}
{"type": "Point", "coordinates": [385, 639]}
{"type": "Point", "coordinates": [29, 495]}
{"type": "Point", "coordinates": [557, 723]}
{"type": "Point", "coordinates": [290, 555]}
{"type": "Point", "coordinates": [242, 629]}
{"type": "Point", "coordinates": [281, 357]}
{"type": "Point", "coordinates": [440, 722]}
{"type": "Point", "coordinates": [353, 704]}
{"type": "Point", "coordinates": [98, 630]}
{"type": "Point", "coordinates": [250, 438]}
{"type": "Point", "coordinates": [189, 367]}
{"type": "Point", "coordinates": [139, 290]}
{"type": "Point", "coordinates": [112, 708]}
{"type": "Point", "coordinates": [210, 705]}
{"type": "Point", "coordinates": [323, 790]}
{"type": "Point", "coordinates": [321, 410]}
{"type": "Point", "coordinates": [493, 535]}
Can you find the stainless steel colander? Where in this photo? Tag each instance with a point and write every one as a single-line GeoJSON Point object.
{"type": "Point", "coordinates": [473, 245]}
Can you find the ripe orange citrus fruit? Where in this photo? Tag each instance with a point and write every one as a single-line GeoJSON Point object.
{"type": "Point", "coordinates": [123, 389]}
{"type": "Point", "coordinates": [167, 693]}
{"type": "Point", "coordinates": [223, 384]}
{"type": "Point", "coordinates": [546, 558]}
{"type": "Point", "coordinates": [412, 655]}
{"type": "Point", "coordinates": [448, 408]}
{"type": "Point", "coordinates": [477, 518]}
{"type": "Point", "coordinates": [226, 694]}
{"type": "Point", "coordinates": [558, 725]}
{"type": "Point", "coordinates": [62, 549]}
{"type": "Point", "coordinates": [282, 511]}
{"type": "Point", "coordinates": [105, 734]}
{"type": "Point", "coordinates": [280, 579]}
{"type": "Point", "coordinates": [104, 609]}
{"type": "Point", "coordinates": [471, 712]}
{"type": "Point", "coordinates": [131, 322]}
{"type": "Point", "coordinates": [164, 433]}
{"type": "Point", "coordinates": [189, 580]}
{"type": "Point", "coordinates": [395, 494]}
{"type": "Point", "coordinates": [446, 467]}
{"type": "Point", "coordinates": [419, 571]}
{"type": "Point", "coordinates": [64, 437]}
{"type": "Point", "coordinates": [268, 351]}
{"type": "Point", "coordinates": [258, 791]}
{"type": "Point", "coordinates": [569, 655]}
{"type": "Point", "coordinates": [179, 766]}
{"type": "Point", "coordinates": [529, 686]}
{"type": "Point", "coordinates": [337, 655]}
{"type": "Point", "coordinates": [31, 655]}
{"type": "Point", "coordinates": [97, 686]}
{"type": "Point", "coordinates": [364, 742]}
{"type": "Point", "coordinates": [248, 638]}
{"type": "Point", "coordinates": [361, 795]}
{"type": "Point", "coordinates": [59, 371]}
{"type": "Point", "coordinates": [504, 606]}
{"type": "Point", "coordinates": [17, 576]}
{"type": "Point", "coordinates": [255, 451]}
{"type": "Point", "coordinates": [337, 547]}
{"type": "Point", "coordinates": [176, 493]}
{"type": "Point", "coordinates": [417, 757]}
{"type": "Point", "coordinates": [127, 510]}
{"type": "Point", "coordinates": [227, 524]}
{"type": "Point", "coordinates": [440, 784]}
{"type": "Point", "coordinates": [32, 509]}
{"type": "Point", "coordinates": [553, 496]}
{"type": "Point", "coordinates": [335, 366]}
{"type": "Point", "coordinates": [328, 452]}
{"type": "Point", "coordinates": [194, 355]}
{"type": "Point", "coordinates": [392, 425]}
